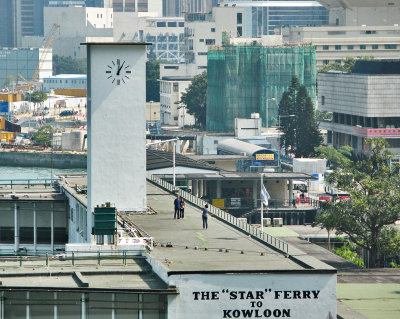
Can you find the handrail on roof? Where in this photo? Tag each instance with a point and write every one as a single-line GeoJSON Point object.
{"type": "Point", "coordinates": [276, 243]}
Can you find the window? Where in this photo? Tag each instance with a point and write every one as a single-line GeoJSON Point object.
{"type": "Point", "coordinates": [239, 18]}
{"type": "Point", "coordinates": [325, 61]}
{"type": "Point", "coordinates": [239, 31]}
{"type": "Point", "coordinates": [172, 24]}
{"type": "Point", "coordinates": [110, 239]}
{"type": "Point", "coordinates": [181, 24]}
{"type": "Point", "coordinates": [375, 47]}
{"type": "Point", "coordinates": [212, 29]}
{"type": "Point", "coordinates": [99, 239]}
{"type": "Point", "coordinates": [338, 47]}
{"type": "Point", "coordinates": [390, 46]}
{"type": "Point", "coordinates": [325, 47]}
{"type": "Point", "coordinates": [161, 24]}
{"type": "Point", "coordinates": [350, 47]}
{"type": "Point", "coordinates": [363, 46]}
{"type": "Point", "coordinates": [176, 87]}
{"type": "Point", "coordinates": [323, 100]}
{"type": "Point", "coordinates": [201, 53]}
{"type": "Point", "coordinates": [338, 61]}
{"type": "Point", "coordinates": [201, 40]}
{"type": "Point", "coordinates": [71, 216]}
{"type": "Point", "coordinates": [210, 41]}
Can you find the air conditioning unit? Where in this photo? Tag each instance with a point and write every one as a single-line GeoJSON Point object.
{"type": "Point", "coordinates": [267, 221]}
{"type": "Point", "coordinates": [278, 222]}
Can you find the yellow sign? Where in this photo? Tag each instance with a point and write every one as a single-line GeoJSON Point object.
{"type": "Point", "coordinates": [218, 202]}
{"type": "Point", "coordinates": [265, 157]}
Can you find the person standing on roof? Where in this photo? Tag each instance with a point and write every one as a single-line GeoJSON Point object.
{"type": "Point", "coordinates": [205, 216]}
{"type": "Point", "coordinates": [182, 208]}
{"type": "Point", "coordinates": [177, 205]}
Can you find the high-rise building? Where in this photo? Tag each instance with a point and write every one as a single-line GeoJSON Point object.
{"type": "Point", "coordinates": [20, 18]}
{"type": "Point", "coordinates": [7, 23]}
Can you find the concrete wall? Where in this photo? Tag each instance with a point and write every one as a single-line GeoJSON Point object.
{"type": "Point", "coordinates": [43, 159]}
{"type": "Point", "coordinates": [224, 286]}
{"type": "Point", "coordinates": [358, 94]}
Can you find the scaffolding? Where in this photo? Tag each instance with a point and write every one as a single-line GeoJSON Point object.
{"type": "Point", "coordinates": [244, 79]}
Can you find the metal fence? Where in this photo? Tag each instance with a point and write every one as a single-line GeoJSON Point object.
{"type": "Point", "coordinates": [46, 182]}
{"type": "Point", "coordinates": [224, 216]}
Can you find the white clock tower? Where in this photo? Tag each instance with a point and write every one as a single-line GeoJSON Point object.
{"type": "Point", "coordinates": [117, 125]}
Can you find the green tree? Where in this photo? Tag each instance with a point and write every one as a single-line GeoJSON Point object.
{"type": "Point", "coordinates": [298, 121]}
{"type": "Point", "coordinates": [43, 136]}
{"type": "Point", "coordinates": [374, 204]}
{"type": "Point", "coordinates": [37, 97]}
{"type": "Point", "coordinates": [195, 99]}
{"type": "Point", "coordinates": [152, 81]}
{"type": "Point", "coordinates": [9, 81]}
{"type": "Point", "coordinates": [347, 66]}
{"type": "Point", "coordinates": [68, 65]}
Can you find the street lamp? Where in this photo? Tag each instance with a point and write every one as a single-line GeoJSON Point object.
{"type": "Point", "coordinates": [266, 115]}
{"type": "Point", "coordinates": [279, 128]}
{"type": "Point", "coordinates": [151, 103]}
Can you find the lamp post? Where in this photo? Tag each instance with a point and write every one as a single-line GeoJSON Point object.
{"type": "Point", "coordinates": [262, 204]}
{"type": "Point", "coordinates": [151, 103]}
{"type": "Point", "coordinates": [279, 128]}
{"type": "Point", "coordinates": [173, 141]}
{"type": "Point", "coordinates": [266, 113]}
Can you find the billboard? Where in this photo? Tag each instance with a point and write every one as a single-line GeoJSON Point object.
{"type": "Point", "coordinates": [265, 157]}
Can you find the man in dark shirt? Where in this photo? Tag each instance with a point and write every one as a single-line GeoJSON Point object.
{"type": "Point", "coordinates": [205, 216]}
{"type": "Point", "coordinates": [177, 205]}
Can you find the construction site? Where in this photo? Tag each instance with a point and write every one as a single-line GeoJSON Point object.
{"type": "Point", "coordinates": [244, 79]}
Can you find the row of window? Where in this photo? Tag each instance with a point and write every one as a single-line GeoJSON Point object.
{"type": "Point", "coordinates": [163, 24]}
{"type": "Point", "coordinates": [362, 47]}
{"type": "Point", "coordinates": [208, 41]}
{"type": "Point", "coordinates": [66, 81]}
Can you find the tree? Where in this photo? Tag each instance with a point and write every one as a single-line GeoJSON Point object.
{"type": "Point", "coordinates": [36, 97]}
{"type": "Point", "coordinates": [195, 99]}
{"type": "Point", "coordinates": [68, 65]}
{"type": "Point", "coordinates": [374, 204]}
{"type": "Point", "coordinates": [9, 81]}
{"type": "Point", "coordinates": [347, 66]}
{"type": "Point", "coordinates": [43, 136]}
{"type": "Point", "coordinates": [152, 81]}
{"type": "Point", "coordinates": [300, 132]}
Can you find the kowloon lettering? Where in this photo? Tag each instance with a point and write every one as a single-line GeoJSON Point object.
{"type": "Point", "coordinates": [257, 313]}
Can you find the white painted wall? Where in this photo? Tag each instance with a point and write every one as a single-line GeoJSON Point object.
{"type": "Point", "coordinates": [116, 129]}
{"type": "Point", "coordinates": [184, 305]}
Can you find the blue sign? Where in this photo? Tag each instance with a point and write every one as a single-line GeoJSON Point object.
{"type": "Point", "coordinates": [3, 107]}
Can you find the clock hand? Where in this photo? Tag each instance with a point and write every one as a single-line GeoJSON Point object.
{"type": "Point", "coordinates": [120, 68]}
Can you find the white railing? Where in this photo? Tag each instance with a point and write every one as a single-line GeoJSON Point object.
{"type": "Point", "coordinates": [224, 216]}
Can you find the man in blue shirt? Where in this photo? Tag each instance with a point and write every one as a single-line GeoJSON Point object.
{"type": "Point", "coordinates": [177, 205]}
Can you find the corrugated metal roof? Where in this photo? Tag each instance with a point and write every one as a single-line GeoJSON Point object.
{"type": "Point", "coordinates": [160, 159]}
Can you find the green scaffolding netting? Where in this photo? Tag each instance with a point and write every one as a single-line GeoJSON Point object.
{"type": "Point", "coordinates": [243, 79]}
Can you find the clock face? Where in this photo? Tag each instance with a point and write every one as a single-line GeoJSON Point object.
{"type": "Point", "coordinates": [118, 71]}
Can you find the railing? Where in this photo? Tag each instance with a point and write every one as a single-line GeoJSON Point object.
{"type": "Point", "coordinates": [73, 257]}
{"type": "Point", "coordinates": [224, 216]}
{"type": "Point", "coordinates": [30, 182]}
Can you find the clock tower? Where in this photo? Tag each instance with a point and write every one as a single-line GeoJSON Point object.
{"type": "Point", "coordinates": [117, 125]}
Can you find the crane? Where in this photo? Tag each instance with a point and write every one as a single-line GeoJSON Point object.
{"type": "Point", "coordinates": [46, 48]}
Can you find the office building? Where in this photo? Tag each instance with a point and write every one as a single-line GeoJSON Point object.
{"type": "Point", "coordinates": [263, 17]}
{"type": "Point", "coordinates": [25, 62]}
{"type": "Point", "coordinates": [365, 104]}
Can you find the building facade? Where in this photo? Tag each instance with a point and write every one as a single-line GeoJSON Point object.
{"type": "Point", "coordinates": [166, 34]}
{"type": "Point", "coordinates": [25, 62]}
{"type": "Point", "coordinates": [77, 25]}
{"type": "Point", "coordinates": [336, 43]}
{"type": "Point", "coordinates": [64, 81]}
{"type": "Point", "coordinates": [364, 104]}
{"type": "Point", "coordinates": [263, 17]}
